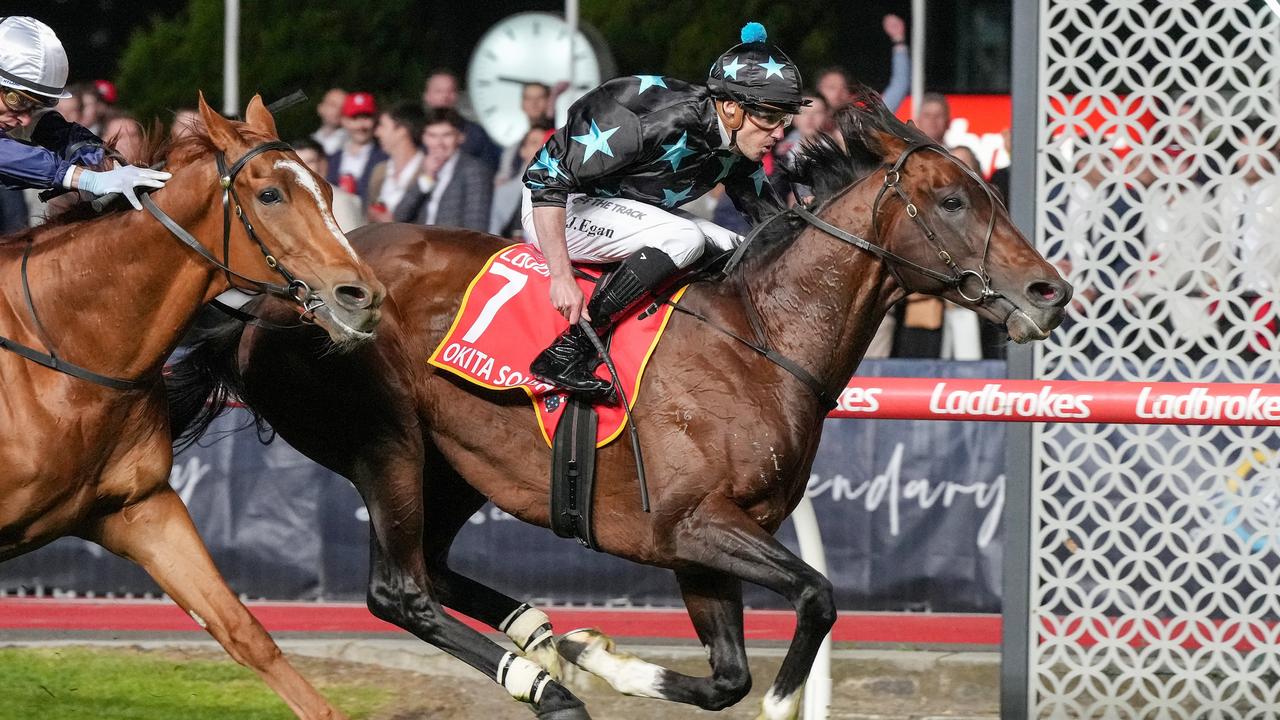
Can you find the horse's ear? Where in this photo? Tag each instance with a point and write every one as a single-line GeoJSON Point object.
{"type": "Point", "coordinates": [220, 131]}
{"type": "Point", "coordinates": [259, 117]}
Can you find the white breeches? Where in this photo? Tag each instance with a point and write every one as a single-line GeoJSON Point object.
{"type": "Point", "coordinates": [610, 229]}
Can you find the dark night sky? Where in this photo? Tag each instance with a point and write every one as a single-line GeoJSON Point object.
{"type": "Point", "coordinates": [95, 32]}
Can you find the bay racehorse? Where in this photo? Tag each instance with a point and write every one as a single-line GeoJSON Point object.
{"type": "Point", "coordinates": [85, 449]}
{"type": "Point", "coordinates": [728, 431]}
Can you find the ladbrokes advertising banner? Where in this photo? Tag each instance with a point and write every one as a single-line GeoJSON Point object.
{"type": "Point", "coordinates": [909, 513]}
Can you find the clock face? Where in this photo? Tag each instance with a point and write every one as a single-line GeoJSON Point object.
{"type": "Point", "coordinates": [524, 48]}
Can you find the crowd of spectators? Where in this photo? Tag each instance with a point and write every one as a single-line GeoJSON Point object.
{"type": "Point", "coordinates": [424, 161]}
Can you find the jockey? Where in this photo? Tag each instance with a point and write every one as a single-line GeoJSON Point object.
{"type": "Point", "coordinates": [38, 147]}
{"type": "Point", "coordinates": [607, 186]}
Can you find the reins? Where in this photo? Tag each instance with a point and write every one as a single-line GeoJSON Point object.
{"type": "Point", "coordinates": [892, 181]}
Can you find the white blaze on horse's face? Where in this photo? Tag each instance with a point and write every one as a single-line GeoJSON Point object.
{"type": "Point", "coordinates": [308, 183]}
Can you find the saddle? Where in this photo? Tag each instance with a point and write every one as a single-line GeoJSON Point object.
{"type": "Point", "coordinates": [502, 324]}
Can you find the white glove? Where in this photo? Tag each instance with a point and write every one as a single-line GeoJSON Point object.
{"type": "Point", "coordinates": [122, 179]}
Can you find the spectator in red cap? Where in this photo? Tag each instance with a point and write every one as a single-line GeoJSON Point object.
{"type": "Point", "coordinates": [351, 168]}
{"type": "Point", "coordinates": [106, 91]}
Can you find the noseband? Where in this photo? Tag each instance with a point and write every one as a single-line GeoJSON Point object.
{"type": "Point", "coordinates": [893, 182]}
{"type": "Point", "coordinates": [294, 289]}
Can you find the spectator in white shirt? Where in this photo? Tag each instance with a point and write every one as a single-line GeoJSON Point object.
{"type": "Point", "coordinates": [330, 135]}
{"type": "Point", "coordinates": [398, 132]}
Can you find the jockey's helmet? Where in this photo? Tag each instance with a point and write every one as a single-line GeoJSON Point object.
{"type": "Point", "coordinates": [32, 60]}
{"type": "Point", "coordinates": [757, 74]}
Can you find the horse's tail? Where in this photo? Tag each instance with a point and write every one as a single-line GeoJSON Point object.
{"type": "Point", "coordinates": [204, 383]}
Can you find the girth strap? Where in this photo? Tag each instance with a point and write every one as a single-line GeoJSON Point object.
{"type": "Point", "coordinates": [73, 370]}
{"type": "Point", "coordinates": [50, 359]}
{"type": "Point", "coordinates": [573, 472]}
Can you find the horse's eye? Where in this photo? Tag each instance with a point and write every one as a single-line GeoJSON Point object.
{"type": "Point", "coordinates": [952, 204]}
{"type": "Point", "coordinates": [269, 196]}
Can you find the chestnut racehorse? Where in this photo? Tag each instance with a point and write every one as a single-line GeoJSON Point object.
{"type": "Point", "coordinates": [728, 430]}
{"type": "Point", "coordinates": [86, 452]}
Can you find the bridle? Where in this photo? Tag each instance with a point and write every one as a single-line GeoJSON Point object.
{"type": "Point", "coordinates": [893, 182]}
{"type": "Point", "coordinates": [293, 289]}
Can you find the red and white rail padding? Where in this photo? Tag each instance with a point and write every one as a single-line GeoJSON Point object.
{"type": "Point", "coordinates": [1155, 403]}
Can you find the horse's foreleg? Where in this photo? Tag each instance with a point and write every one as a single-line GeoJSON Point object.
{"type": "Point", "coordinates": [720, 536]}
{"type": "Point", "coordinates": [714, 602]}
{"type": "Point", "coordinates": [157, 533]}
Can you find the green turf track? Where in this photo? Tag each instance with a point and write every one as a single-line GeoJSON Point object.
{"type": "Point", "coordinates": [67, 683]}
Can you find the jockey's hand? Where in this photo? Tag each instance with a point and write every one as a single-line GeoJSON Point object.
{"type": "Point", "coordinates": [121, 179]}
{"type": "Point", "coordinates": [567, 298]}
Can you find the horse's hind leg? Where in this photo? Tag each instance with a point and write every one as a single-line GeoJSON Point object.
{"type": "Point", "coordinates": [157, 533]}
{"type": "Point", "coordinates": [449, 501]}
{"type": "Point", "coordinates": [400, 593]}
{"type": "Point", "coordinates": [714, 602]}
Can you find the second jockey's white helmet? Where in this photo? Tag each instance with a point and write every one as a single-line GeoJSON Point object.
{"type": "Point", "coordinates": [32, 58]}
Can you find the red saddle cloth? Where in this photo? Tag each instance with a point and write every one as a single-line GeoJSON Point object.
{"type": "Point", "coordinates": [506, 319]}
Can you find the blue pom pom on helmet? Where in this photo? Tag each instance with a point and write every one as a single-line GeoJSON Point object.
{"type": "Point", "coordinates": [739, 74]}
{"type": "Point", "coordinates": [753, 32]}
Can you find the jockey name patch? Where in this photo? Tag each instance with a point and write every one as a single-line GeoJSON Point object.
{"type": "Point", "coordinates": [506, 319]}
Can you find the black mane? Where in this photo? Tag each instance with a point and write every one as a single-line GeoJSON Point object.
{"type": "Point", "coordinates": [827, 168]}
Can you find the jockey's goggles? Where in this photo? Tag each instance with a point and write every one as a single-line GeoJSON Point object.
{"type": "Point", "coordinates": [769, 118]}
{"type": "Point", "coordinates": [20, 102]}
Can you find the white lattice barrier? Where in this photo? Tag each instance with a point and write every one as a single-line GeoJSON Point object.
{"type": "Point", "coordinates": [1157, 192]}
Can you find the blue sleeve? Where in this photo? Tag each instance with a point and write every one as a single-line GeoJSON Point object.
{"type": "Point", "coordinates": [29, 166]}
{"type": "Point", "coordinates": [13, 211]}
{"type": "Point", "coordinates": [71, 141]}
{"type": "Point", "coordinates": [899, 78]}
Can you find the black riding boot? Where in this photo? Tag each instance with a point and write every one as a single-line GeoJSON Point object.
{"type": "Point", "coordinates": [570, 360]}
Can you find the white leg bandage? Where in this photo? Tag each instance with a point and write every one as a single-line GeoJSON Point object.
{"type": "Point", "coordinates": [528, 627]}
{"type": "Point", "coordinates": [523, 679]}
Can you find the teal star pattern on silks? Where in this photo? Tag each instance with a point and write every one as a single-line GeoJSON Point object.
{"type": "Point", "coordinates": [548, 164]}
{"type": "Point", "coordinates": [648, 81]}
{"type": "Point", "coordinates": [731, 70]}
{"type": "Point", "coordinates": [535, 185]}
{"type": "Point", "coordinates": [726, 164]}
{"type": "Point", "coordinates": [759, 178]}
{"type": "Point", "coordinates": [596, 140]}
{"type": "Point", "coordinates": [676, 151]}
{"type": "Point", "coordinates": [669, 199]}
{"type": "Point", "coordinates": [773, 67]}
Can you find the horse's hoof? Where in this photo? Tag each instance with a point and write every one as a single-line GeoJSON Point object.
{"type": "Point", "coordinates": [573, 713]}
{"type": "Point", "coordinates": [775, 708]}
{"type": "Point", "coordinates": [547, 657]}
{"type": "Point", "coordinates": [573, 644]}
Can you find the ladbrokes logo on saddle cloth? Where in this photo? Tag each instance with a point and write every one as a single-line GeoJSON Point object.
{"type": "Point", "coordinates": [506, 320]}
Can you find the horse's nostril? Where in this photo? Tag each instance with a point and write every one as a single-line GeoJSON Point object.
{"type": "Point", "coordinates": [1048, 294]}
{"type": "Point", "coordinates": [353, 296]}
